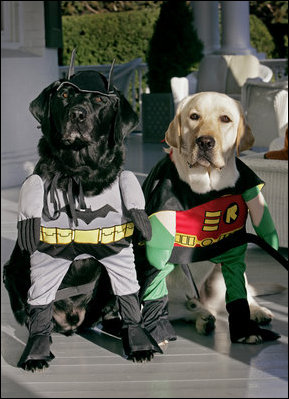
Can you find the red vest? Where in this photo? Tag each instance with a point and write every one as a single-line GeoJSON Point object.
{"type": "Point", "coordinates": [209, 223]}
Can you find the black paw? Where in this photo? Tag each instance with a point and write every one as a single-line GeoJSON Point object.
{"type": "Point", "coordinates": [35, 365]}
{"type": "Point", "coordinates": [141, 356]}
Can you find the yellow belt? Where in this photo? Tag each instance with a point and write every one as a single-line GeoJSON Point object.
{"type": "Point", "coordinates": [191, 241]}
{"type": "Point", "coordinates": [107, 235]}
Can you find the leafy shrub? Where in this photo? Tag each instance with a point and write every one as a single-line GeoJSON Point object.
{"type": "Point", "coordinates": [260, 37]}
{"type": "Point", "coordinates": [174, 48]}
{"type": "Point", "coordinates": [102, 37]}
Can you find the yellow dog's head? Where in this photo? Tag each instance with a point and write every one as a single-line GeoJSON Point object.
{"type": "Point", "coordinates": [208, 128]}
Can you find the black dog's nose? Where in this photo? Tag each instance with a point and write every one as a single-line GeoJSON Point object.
{"type": "Point", "coordinates": [77, 114]}
{"type": "Point", "coordinates": [205, 143]}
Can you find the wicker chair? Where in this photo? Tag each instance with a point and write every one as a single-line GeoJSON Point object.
{"type": "Point", "coordinates": [275, 175]}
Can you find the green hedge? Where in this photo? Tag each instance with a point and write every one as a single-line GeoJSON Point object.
{"type": "Point", "coordinates": [101, 38]}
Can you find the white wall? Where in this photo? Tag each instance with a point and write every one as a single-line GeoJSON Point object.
{"type": "Point", "coordinates": [22, 79]}
{"type": "Point", "coordinates": [27, 67]}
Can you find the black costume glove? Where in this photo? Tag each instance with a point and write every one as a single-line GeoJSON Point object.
{"type": "Point", "coordinates": [29, 234]}
{"type": "Point", "coordinates": [141, 222]}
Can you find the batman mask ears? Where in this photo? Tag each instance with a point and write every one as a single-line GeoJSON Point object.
{"type": "Point", "coordinates": [71, 70]}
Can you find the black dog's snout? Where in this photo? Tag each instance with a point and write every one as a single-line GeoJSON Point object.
{"type": "Point", "coordinates": [77, 114]}
{"type": "Point", "coordinates": [205, 143]}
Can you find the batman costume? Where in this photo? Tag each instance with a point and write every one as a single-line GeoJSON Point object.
{"type": "Point", "coordinates": [59, 226]}
{"type": "Point", "coordinates": [189, 227]}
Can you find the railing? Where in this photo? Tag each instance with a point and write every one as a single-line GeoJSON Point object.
{"type": "Point", "coordinates": [129, 77]}
{"type": "Point", "coordinates": [279, 67]}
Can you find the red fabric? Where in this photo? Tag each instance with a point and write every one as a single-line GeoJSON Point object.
{"type": "Point", "coordinates": [210, 222]}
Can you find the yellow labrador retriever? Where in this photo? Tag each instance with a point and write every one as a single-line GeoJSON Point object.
{"type": "Point", "coordinates": [202, 176]}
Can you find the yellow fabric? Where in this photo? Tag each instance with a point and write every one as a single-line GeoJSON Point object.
{"type": "Point", "coordinates": [107, 235]}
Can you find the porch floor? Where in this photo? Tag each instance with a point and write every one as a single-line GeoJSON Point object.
{"type": "Point", "coordinates": [194, 366]}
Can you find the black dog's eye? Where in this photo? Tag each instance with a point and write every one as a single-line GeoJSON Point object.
{"type": "Point", "coordinates": [195, 116]}
{"type": "Point", "coordinates": [225, 119]}
{"type": "Point", "coordinates": [98, 99]}
{"type": "Point", "coordinates": [65, 94]}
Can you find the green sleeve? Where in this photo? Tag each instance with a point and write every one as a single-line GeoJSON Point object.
{"type": "Point", "coordinates": [266, 228]}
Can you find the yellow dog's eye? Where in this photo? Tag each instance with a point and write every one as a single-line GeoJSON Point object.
{"type": "Point", "coordinates": [195, 117]}
{"type": "Point", "coordinates": [225, 119]}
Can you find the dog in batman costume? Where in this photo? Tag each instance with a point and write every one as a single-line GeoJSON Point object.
{"type": "Point", "coordinates": [79, 204]}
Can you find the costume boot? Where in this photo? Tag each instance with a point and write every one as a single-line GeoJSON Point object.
{"type": "Point", "coordinates": [135, 337]}
{"type": "Point", "coordinates": [155, 315]}
{"type": "Point", "coordinates": [40, 327]}
{"type": "Point", "coordinates": [241, 327]}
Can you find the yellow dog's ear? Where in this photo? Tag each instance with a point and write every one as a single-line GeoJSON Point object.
{"type": "Point", "coordinates": [173, 134]}
{"type": "Point", "coordinates": [245, 138]}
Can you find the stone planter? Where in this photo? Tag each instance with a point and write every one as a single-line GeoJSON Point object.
{"type": "Point", "coordinates": [157, 113]}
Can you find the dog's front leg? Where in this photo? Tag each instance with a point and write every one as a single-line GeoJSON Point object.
{"type": "Point", "coordinates": [37, 353]}
{"type": "Point", "coordinates": [138, 344]}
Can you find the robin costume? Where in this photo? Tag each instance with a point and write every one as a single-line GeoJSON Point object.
{"type": "Point", "coordinates": [189, 227]}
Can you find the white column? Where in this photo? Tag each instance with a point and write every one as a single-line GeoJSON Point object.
{"type": "Point", "coordinates": [206, 22]}
{"type": "Point", "coordinates": [236, 28]}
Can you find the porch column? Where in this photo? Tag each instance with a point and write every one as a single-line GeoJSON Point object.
{"type": "Point", "coordinates": [206, 22]}
{"type": "Point", "coordinates": [236, 28]}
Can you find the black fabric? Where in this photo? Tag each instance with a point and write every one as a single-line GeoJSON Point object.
{"type": "Point", "coordinates": [146, 273]}
{"type": "Point", "coordinates": [39, 327]}
{"type": "Point", "coordinates": [141, 222]}
{"type": "Point", "coordinates": [134, 336]}
{"type": "Point", "coordinates": [155, 315]}
{"type": "Point", "coordinates": [241, 326]}
{"type": "Point", "coordinates": [129, 309]}
{"type": "Point", "coordinates": [29, 234]}
{"type": "Point", "coordinates": [197, 254]}
{"type": "Point", "coordinates": [164, 190]}
{"type": "Point", "coordinates": [40, 319]}
{"type": "Point", "coordinates": [37, 348]}
{"type": "Point", "coordinates": [74, 190]}
{"type": "Point", "coordinates": [70, 251]}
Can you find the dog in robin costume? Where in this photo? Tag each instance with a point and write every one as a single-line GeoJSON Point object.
{"type": "Point", "coordinates": [198, 198]}
{"type": "Point", "coordinates": [80, 204]}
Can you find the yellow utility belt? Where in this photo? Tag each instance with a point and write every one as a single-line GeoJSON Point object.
{"type": "Point", "coordinates": [186, 240]}
{"type": "Point", "coordinates": [107, 235]}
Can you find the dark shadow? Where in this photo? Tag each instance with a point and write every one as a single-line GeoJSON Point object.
{"type": "Point", "coordinates": [104, 340]}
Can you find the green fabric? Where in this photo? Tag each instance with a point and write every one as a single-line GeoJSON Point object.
{"type": "Point", "coordinates": [158, 288]}
{"type": "Point", "coordinates": [159, 248]}
{"type": "Point", "coordinates": [233, 269]}
{"type": "Point", "coordinates": [266, 229]}
{"type": "Point", "coordinates": [250, 193]}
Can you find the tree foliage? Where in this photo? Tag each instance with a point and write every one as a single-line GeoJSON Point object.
{"type": "Point", "coordinates": [260, 37]}
{"type": "Point", "coordinates": [97, 7]}
{"type": "Point", "coordinates": [174, 48]}
{"type": "Point", "coordinates": [274, 14]}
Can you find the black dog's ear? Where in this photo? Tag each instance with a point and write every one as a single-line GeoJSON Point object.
{"type": "Point", "coordinates": [126, 119]}
{"type": "Point", "coordinates": [39, 107]}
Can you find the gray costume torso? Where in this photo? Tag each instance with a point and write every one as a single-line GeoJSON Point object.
{"type": "Point", "coordinates": [68, 232]}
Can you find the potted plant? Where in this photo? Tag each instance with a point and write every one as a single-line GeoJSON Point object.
{"type": "Point", "coordinates": [174, 50]}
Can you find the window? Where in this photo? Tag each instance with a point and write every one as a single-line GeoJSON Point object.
{"type": "Point", "coordinates": [11, 26]}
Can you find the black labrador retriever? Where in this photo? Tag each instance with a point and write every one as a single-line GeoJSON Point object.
{"type": "Point", "coordinates": [77, 214]}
